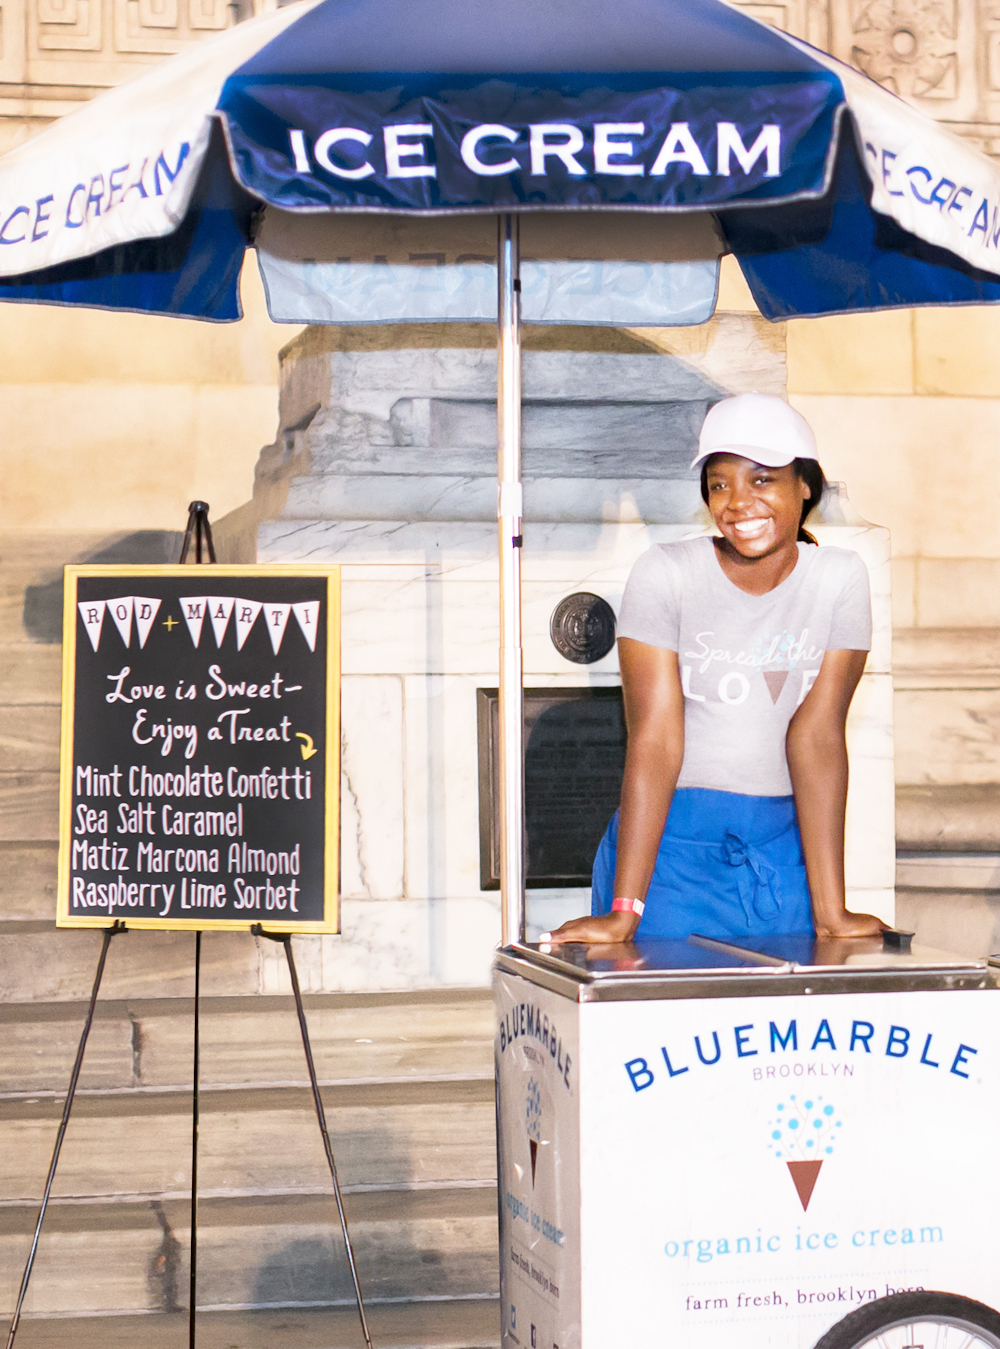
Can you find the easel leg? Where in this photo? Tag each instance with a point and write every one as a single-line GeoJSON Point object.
{"type": "Point", "coordinates": [286, 941]}
{"type": "Point", "coordinates": [109, 932]}
{"type": "Point", "coordinates": [200, 532]}
{"type": "Point", "coordinates": [195, 1118]}
{"type": "Point", "coordinates": [327, 1146]}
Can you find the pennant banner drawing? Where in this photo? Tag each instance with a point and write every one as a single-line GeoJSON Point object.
{"type": "Point", "coordinates": [139, 612]}
{"type": "Point", "coordinates": [123, 610]}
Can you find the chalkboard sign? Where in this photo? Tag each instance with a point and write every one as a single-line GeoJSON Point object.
{"type": "Point", "coordinates": [200, 747]}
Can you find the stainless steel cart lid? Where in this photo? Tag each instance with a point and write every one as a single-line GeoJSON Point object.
{"type": "Point", "coordinates": [704, 967]}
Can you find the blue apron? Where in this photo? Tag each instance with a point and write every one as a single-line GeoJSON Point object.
{"type": "Point", "coordinates": [728, 866]}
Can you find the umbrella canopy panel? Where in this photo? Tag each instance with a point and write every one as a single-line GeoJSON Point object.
{"type": "Point", "coordinates": [591, 268]}
{"type": "Point", "coordinates": [432, 107]}
{"type": "Point", "coordinates": [674, 106]}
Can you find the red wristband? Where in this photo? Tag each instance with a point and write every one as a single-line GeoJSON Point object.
{"type": "Point", "coordinates": [635, 906]}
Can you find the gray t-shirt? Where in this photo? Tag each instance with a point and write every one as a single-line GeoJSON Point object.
{"type": "Point", "coordinates": [746, 661]}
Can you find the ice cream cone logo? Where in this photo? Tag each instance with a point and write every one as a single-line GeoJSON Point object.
{"type": "Point", "coordinates": [804, 1177]}
{"type": "Point", "coordinates": [533, 1121]}
{"type": "Point", "coordinates": [803, 1134]}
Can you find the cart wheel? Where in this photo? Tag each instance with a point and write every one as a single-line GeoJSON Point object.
{"type": "Point", "coordinates": [917, 1321]}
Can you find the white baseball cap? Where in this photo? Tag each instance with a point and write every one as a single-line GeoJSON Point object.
{"type": "Point", "coordinates": [757, 426]}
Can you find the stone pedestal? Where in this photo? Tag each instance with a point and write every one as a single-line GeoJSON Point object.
{"type": "Point", "coordinates": [385, 465]}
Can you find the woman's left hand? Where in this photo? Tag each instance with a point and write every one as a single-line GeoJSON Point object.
{"type": "Point", "coordinates": [847, 924]}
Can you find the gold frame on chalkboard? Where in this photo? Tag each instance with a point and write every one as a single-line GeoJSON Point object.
{"type": "Point", "coordinates": [331, 898]}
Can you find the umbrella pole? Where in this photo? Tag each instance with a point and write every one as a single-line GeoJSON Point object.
{"type": "Point", "coordinates": [511, 710]}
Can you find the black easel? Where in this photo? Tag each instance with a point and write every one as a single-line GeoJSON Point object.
{"type": "Point", "coordinates": [109, 932]}
{"type": "Point", "coordinates": [200, 532]}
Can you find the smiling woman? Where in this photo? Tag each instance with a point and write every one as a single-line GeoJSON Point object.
{"type": "Point", "coordinates": [739, 655]}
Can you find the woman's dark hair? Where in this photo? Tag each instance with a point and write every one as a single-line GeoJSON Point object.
{"type": "Point", "coordinates": [806, 469]}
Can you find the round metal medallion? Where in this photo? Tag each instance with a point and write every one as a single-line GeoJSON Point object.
{"type": "Point", "coordinates": [583, 628]}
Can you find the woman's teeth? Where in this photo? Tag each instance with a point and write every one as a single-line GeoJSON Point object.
{"type": "Point", "coordinates": [750, 529]}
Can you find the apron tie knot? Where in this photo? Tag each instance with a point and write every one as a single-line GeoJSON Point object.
{"type": "Point", "coordinates": [754, 878]}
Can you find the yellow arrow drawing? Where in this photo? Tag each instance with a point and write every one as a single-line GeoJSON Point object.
{"type": "Point", "coordinates": [307, 747]}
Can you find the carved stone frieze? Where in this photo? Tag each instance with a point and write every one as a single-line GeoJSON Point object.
{"type": "Point", "coordinates": [52, 48]}
{"type": "Point", "coordinates": [67, 25]}
{"type": "Point", "coordinates": [158, 27]}
{"type": "Point", "coordinates": [909, 46]}
{"type": "Point", "coordinates": [808, 19]}
{"type": "Point", "coordinates": [941, 55]}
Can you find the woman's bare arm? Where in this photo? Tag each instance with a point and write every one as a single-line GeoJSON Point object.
{"type": "Point", "coordinates": [654, 714]}
{"type": "Point", "coordinates": [817, 763]}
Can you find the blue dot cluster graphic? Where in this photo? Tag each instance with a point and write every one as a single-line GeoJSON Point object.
{"type": "Point", "coordinates": [804, 1128]}
{"type": "Point", "coordinates": [533, 1110]}
{"type": "Point", "coordinates": [775, 646]}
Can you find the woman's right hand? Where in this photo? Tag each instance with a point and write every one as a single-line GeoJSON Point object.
{"type": "Point", "coordinates": [609, 927]}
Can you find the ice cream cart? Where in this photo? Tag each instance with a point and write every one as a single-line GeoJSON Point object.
{"type": "Point", "coordinates": [781, 1145]}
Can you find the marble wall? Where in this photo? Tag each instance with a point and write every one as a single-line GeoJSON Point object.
{"type": "Point", "coordinates": [386, 466]}
{"type": "Point", "coordinates": [114, 421]}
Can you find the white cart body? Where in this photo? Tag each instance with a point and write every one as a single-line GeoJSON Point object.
{"type": "Point", "coordinates": [721, 1148]}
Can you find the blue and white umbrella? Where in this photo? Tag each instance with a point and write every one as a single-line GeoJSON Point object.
{"type": "Point", "coordinates": [367, 148]}
{"type": "Point", "coordinates": [672, 130]}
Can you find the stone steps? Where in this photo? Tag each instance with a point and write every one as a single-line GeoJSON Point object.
{"type": "Point", "coordinates": [948, 817]}
{"type": "Point", "coordinates": [947, 706]}
{"type": "Point", "coordinates": [29, 886]}
{"type": "Point", "coordinates": [29, 742]}
{"type": "Point", "coordinates": [40, 963]}
{"type": "Point", "coordinates": [29, 806]}
{"type": "Point", "coordinates": [30, 675]}
{"type": "Point", "coordinates": [966, 921]}
{"type": "Point", "coordinates": [252, 1139]}
{"type": "Point", "coordinates": [146, 1042]}
{"type": "Point", "coordinates": [253, 1250]}
{"type": "Point", "coordinates": [948, 870]}
{"type": "Point", "coordinates": [438, 1324]}
{"type": "Point", "coordinates": [408, 1094]}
